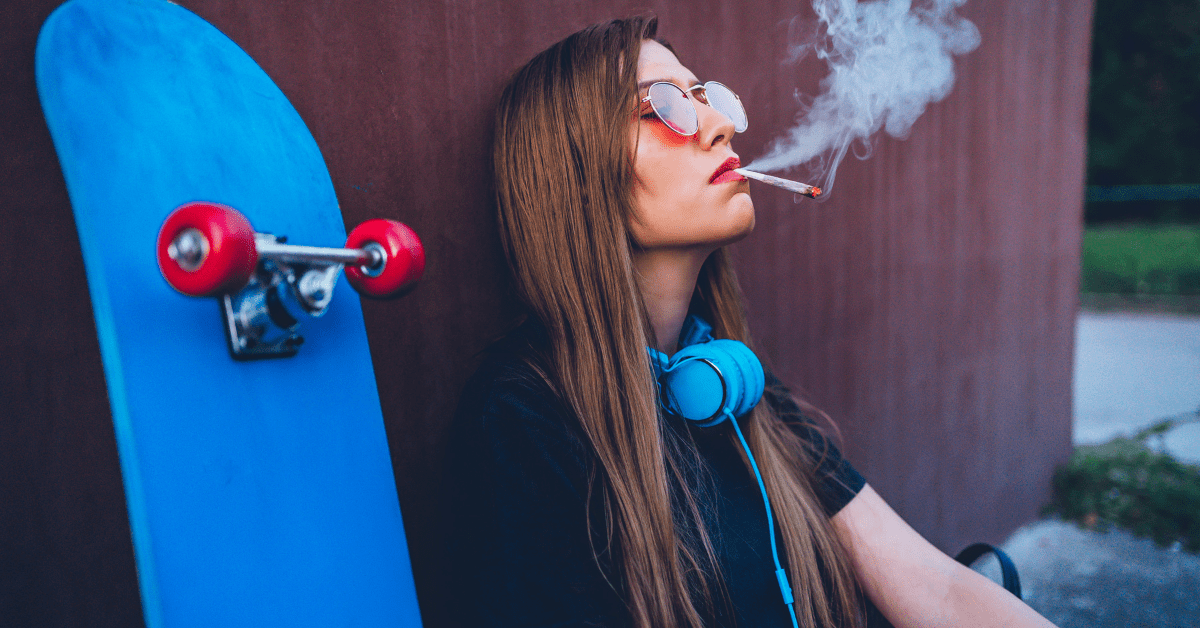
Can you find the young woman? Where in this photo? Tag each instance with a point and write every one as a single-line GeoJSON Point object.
{"type": "Point", "coordinates": [577, 499]}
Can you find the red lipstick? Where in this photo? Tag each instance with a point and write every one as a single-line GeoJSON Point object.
{"type": "Point", "coordinates": [726, 173]}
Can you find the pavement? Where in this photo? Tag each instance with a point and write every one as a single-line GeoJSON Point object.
{"type": "Point", "coordinates": [1077, 578]}
{"type": "Point", "coordinates": [1131, 371]}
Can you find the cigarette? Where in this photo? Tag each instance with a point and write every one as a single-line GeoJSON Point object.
{"type": "Point", "coordinates": [810, 191]}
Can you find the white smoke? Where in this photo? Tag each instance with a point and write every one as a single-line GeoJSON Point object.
{"type": "Point", "coordinates": [887, 60]}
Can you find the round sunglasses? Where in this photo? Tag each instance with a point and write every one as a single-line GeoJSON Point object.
{"type": "Point", "coordinates": [672, 105]}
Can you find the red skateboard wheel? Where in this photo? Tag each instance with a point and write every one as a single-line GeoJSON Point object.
{"type": "Point", "coordinates": [206, 249]}
{"type": "Point", "coordinates": [403, 258]}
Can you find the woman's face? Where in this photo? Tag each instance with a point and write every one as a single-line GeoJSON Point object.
{"type": "Point", "coordinates": [678, 204]}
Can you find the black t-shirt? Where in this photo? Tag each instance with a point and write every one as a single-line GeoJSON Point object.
{"type": "Point", "coordinates": [519, 491]}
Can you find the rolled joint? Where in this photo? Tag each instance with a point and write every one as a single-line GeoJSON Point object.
{"type": "Point", "coordinates": [796, 187]}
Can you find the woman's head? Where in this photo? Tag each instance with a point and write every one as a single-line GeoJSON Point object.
{"type": "Point", "coordinates": [576, 134]}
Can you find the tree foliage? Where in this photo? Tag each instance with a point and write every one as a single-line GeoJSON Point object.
{"type": "Point", "coordinates": [1144, 126]}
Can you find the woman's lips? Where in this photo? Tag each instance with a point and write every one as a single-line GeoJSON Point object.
{"type": "Point", "coordinates": [726, 173]}
{"type": "Point", "coordinates": [728, 176]}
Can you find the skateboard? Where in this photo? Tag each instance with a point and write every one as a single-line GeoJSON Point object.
{"type": "Point", "coordinates": [256, 469]}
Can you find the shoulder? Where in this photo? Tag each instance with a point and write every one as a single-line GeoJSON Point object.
{"type": "Point", "coordinates": [510, 418]}
{"type": "Point", "coordinates": [801, 420]}
{"type": "Point", "coordinates": [804, 420]}
{"type": "Point", "coordinates": [510, 387]}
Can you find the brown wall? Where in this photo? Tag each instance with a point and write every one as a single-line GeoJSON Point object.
{"type": "Point", "coordinates": [929, 306]}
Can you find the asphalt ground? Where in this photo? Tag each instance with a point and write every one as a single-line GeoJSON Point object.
{"type": "Point", "coordinates": [1077, 578]}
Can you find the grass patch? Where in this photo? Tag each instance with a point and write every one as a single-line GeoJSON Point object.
{"type": "Point", "coordinates": [1126, 484]}
{"type": "Point", "coordinates": [1145, 260]}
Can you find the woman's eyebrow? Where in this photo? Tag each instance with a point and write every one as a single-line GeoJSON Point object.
{"type": "Point", "coordinates": [647, 83]}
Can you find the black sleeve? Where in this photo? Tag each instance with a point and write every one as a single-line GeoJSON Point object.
{"type": "Point", "coordinates": [837, 482]}
{"type": "Point", "coordinates": [517, 487]}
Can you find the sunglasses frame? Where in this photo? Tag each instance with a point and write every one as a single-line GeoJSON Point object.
{"type": "Point", "coordinates": [687, 94]}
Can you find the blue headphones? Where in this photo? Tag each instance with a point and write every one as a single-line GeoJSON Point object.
{"type": "Point", "coordinates": [708, 381]}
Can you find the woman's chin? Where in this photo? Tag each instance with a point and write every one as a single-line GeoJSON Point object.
{"type": "Point", "coordinates": [744, 216]}
{"type": "Point", "coordinates": [736, 231]}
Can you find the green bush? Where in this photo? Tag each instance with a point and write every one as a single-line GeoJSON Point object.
{"type": "Point", "coordinates": [1102, 281]}
{"type": "Point", "coordinates": [1125, 484]}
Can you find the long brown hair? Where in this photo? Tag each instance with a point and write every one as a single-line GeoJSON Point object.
{"type": "Point", "coordinates": [564, 181]}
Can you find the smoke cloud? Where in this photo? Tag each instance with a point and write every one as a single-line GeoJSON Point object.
{"type": "Point", "coordinates": [887, 61]}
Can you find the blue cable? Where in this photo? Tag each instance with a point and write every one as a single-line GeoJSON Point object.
{"type": "Point", "coordinates": [780, 575]}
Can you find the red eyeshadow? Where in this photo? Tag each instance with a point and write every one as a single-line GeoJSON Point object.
{"type": "Point", "coordinates": [664, 134]}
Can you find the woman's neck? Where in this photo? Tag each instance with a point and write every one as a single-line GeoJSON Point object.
{"type": "Point", "coordinates": [667, 278]}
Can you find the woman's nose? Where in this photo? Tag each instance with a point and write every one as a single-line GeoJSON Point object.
{"type": "Point", "coordinates": [715, 127]}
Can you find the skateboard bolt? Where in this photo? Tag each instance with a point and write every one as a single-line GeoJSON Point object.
{"type": "Point", "coordinates": [189, 249]}
{"type": "Point", "coordinates": [377, 259]}
{"type": "Point", "coordinates": [312, 287]}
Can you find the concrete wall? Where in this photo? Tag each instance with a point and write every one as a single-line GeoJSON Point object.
{"type": "Point", "coordinates": [928, 306]}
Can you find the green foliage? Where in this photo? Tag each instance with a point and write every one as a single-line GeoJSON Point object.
{"type": "Point", "coordinates": [1146, 260]}
{"type": "Point", "coordinates": [1145, 93]}
{"type": "Point", "coordinates": [1144, 96]}
{"type": "Point", "coordinates": [1125, 484]}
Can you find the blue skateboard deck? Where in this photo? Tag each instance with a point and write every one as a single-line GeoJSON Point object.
{"type": "Point", "coordinates": [259, 493]}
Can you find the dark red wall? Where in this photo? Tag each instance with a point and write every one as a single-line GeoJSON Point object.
{"type": "Point", "coordinates": [66, 558]}
{"type": "Point", "coordinates": [929, 306]}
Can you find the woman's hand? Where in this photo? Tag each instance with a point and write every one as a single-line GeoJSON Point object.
{"type": "Point", "coordinates": [912, 582]}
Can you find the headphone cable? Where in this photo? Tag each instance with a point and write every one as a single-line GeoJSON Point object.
{"type": "Point", "coordinates": [780, 575]}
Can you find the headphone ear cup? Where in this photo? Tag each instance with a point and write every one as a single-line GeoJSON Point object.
{"type": "Point", "coordinates": [743, 374]}
{"type": "Point", "coordinates": [691, 387]}
{"type": "Point", "coordinates": [700, 381]}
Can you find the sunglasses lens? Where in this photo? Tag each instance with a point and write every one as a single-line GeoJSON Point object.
{"type": "Point", "coordinates": [724, 100]}
{"type": "Point", "coordinates": [673, 108]}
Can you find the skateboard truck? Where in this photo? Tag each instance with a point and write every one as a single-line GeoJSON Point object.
{"type": "Point", "coordinates": [267, 286]}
